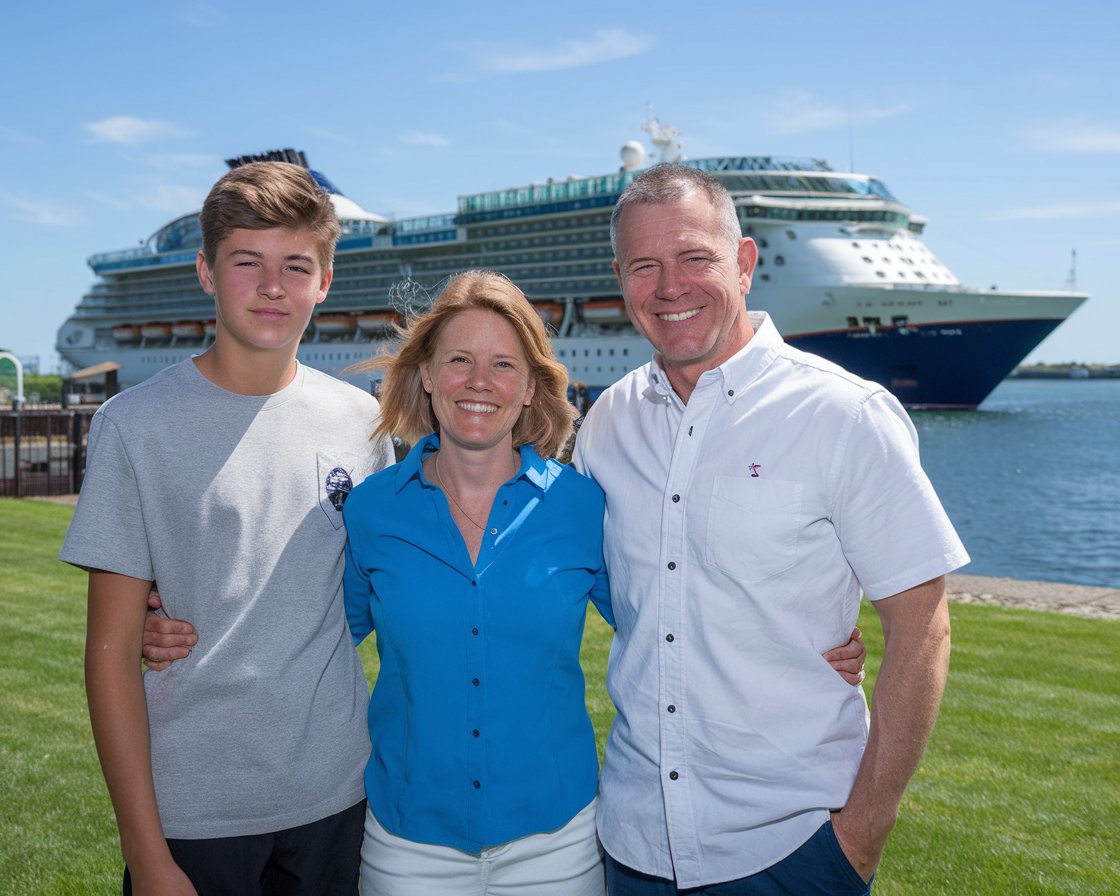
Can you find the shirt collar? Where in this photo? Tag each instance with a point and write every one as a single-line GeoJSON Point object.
{"type": "Point", "coordinates": [534, 469]}
{"type": "Point", "coordinates": [735, 374]}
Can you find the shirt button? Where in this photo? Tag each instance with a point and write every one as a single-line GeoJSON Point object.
{"type": "Point", "coordinates": [669, 637]}
{"type": "Point", "coordinates": [474, 733]}
{"type": "Point", "coordinates": [730, 392]}
{"type": "Point", "coordinates": [672, 565]}
{"type": "Point", "coordinates": [671, 708]}
{"type": "Point", "coordinates": [478, 784]}
{"type": "Point", "coordinates": [676, 498]}
{"type": "Point", "coordinates": [673, 776]}
{"type": "Point", "coordinates": [475, 682]}
{"type": "Point", "coordinates": [493, 531]}
{"type": "Point", "coordinates": [474, 631]}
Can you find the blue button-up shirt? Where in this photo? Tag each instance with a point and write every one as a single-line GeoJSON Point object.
{"type": "Point", "coordinates": [478, 717]}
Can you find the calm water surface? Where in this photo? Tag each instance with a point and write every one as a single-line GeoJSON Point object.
{"type": "Point", "coordinates": [1032, 479]}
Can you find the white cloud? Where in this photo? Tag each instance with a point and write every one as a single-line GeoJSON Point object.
{"type": "Point", "coordinates": [323, 134]}
{"type": "Point", "coordinates": [37, 211]}
{"type": "Point", "coordinates": [128, 130]}
{"type": "Point", "coordinates": [799, 111]}
{"type": "Point", "coordinates": [424, 138]}
{"type": "Point", "coordinates": [1059, 211]}
{"type": "Point", "coordinates": [604, 46]}
{"type": "Point", "coordinates": [202, 16]}
{"type": "Point", "coordinates": [1075, 138]}
{"type": "Point", "coordinates": [173, 200]}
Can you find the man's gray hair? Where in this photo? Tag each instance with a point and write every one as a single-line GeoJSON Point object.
{"type": "Point", "coordinates": [668, 182]}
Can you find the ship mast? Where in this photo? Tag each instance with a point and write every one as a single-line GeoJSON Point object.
{"type": "Point", "coordinates": [1071, 277]}
{"type": "Point", "coordinates": [664, 137]}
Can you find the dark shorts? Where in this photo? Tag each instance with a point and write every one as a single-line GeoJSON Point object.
{"type": "Point", "coordinates": [322, 858]}
{"type": "Point", "coordinates": [816, 868]}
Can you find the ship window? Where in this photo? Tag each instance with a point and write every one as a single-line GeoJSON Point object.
{"type": "Point", "coordinates": [855, 245]}
{"type": "Point", "coordinates": [880, 274]}
{"type": "Point", "coordinates": [779, 260]}
{"type": "Point", "coordinates": [761, 261]}
{"type": "Point", "coordinates": [853, 321]}
{"type": "Point", "coordinates": [792, 234]}
{"type": "Point", "coordinates": [868, 260]}
{"type": "Point", "coordinates": [765, 277]}
{"type": "Point", "coordinates": [762, 244]}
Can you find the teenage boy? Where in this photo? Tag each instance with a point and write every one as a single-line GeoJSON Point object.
{"type": "Point", "coordinates": [238, 769]}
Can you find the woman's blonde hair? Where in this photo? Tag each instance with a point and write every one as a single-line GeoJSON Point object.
{"type": "Point", "coordinates": [406, 408]}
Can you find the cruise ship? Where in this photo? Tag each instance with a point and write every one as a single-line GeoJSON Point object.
{"type": "Point", "coordinates": [842, 270]}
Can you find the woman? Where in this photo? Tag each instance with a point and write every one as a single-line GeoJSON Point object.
{"type": "Point", "coordinates": [473, 560]}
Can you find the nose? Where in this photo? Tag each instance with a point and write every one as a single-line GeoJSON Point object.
{"type": "Point", "coordinates": [670, 283]}
{"type": "Point", "coordinates": [479, 378]}
{"type": "Point", "coordinates": [270, 286]}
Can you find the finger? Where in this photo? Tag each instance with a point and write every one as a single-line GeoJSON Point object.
{"type": "Point", "coordinates": [166, 642]}
{"type": "Point", "coordinates": [156, 667]}
{"type": "Point", "coordinates": [154, 602]}
{"type": "Point", "coordinates": [168, 626]}
{"type": "Point", "coordinates": [166, 655]}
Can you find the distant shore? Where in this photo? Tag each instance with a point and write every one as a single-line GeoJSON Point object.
{"type": "Point", "coordinates": [1070, 371]}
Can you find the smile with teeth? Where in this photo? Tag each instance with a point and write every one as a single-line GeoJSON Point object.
{"type": "Point", "coordinates": [476, 407]}
{"type": "Point", "coordinates": [678, 315]}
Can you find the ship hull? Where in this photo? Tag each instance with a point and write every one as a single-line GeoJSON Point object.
{"type": "Point", "coordinates": [949, 364]}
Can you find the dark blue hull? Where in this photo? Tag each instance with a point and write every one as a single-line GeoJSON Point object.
{"type": "Point", "coordinates": [948, 365]}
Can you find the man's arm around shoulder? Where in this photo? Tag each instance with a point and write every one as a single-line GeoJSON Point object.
{"type": "Point", "coordinates": [904, 707]}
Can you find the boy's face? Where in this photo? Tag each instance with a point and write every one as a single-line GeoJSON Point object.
{"type": "Point", "coordinates": [266, 284]}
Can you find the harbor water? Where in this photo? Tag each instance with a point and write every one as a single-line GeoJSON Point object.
{"type": "Point", "coordinates": [1031, 480]}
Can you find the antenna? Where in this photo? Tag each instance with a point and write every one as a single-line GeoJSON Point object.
{"type": "Point", "coordinates": [1071, 277]}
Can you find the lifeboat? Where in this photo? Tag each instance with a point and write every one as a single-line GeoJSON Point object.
{"type": "Point", "coordinates": [126, 333]}
{"type": "Point", "coordinates": [187, 329]}
{"type": "Point", "coordinates": [551, 313]}
{"type": "Point", "coordinates": [605, 311]}
{"type": "Point", "coordinates": [156, 331]}
{"type": "Point", "coordinates": [335, 324]}
{"type": "Point", "coordinates": [378, 321]}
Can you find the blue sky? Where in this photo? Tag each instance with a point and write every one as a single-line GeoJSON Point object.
{"type": "Point", "coordinates": [1000, 122]}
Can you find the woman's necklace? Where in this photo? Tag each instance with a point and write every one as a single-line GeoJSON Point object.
{"type": "Point", "coordinates": [447, 490]}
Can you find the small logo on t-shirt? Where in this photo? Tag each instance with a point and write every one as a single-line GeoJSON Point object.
{"type": "Point", "coordinates": [338, 485]}
{"type": "Point", "coordinates": [754, 468]}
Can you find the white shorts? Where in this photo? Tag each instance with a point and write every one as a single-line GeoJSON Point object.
{"type": "Point", "coordinates": [567, 862]}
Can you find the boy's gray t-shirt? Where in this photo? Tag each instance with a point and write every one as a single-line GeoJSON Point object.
{"type": "Point", "coordinates": [232, 503]}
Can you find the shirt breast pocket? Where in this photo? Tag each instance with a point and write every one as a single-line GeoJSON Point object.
{"type": "Point", "coordinates": [753, 527]}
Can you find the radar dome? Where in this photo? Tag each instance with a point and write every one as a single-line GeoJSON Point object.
{"type": "Point", "coordinates": [632, 154]}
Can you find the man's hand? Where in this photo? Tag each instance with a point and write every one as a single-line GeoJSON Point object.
{"type": "Point", "coordinates": [165, 640]}
{"type": "Point", "coordinates": [848, 660]}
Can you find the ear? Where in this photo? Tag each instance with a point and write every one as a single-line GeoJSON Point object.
{"type": "Point", "coordinates": [426, 378]}
{"type": "Point", "coordinates": [205, 276]}
{"type": "Point", "coordinates": [328, 276]}
{"type": "Point", "coordinates": [617, 273]}
{"type": "Point", "coordinates": [530, 392]}
{"type": "Point", "coordinates": [748, 258]}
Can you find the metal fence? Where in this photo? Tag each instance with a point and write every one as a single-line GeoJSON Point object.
{"type": "Point", "coordinates": [43, 451]}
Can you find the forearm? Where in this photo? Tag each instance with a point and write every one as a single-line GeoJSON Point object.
{"type": "Point", "coordinates": [904, 708]}
{"type": "Point", "coordinates": [119, 717]}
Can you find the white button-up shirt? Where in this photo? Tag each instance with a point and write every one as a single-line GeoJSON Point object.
{"type": "Point", "coordinates": [740, 530]}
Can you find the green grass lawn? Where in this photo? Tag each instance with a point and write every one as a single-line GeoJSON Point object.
{"type": "Point", "coordinates": [1019, 792]}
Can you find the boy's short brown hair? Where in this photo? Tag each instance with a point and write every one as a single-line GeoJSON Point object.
{"type": "Point", "coordinates": [263, 195]}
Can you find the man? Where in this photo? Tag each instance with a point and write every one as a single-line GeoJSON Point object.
{"type": "Point", "coordinates": [222, 477]}
{"type": "Point", "coordinates": [752, 492]}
